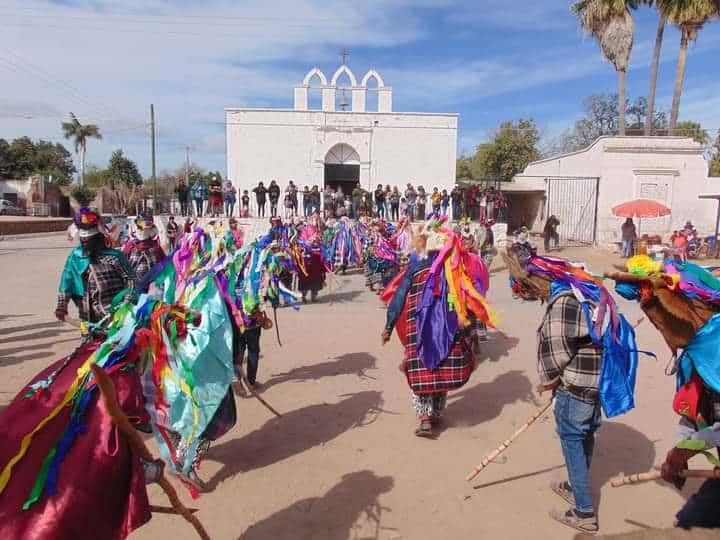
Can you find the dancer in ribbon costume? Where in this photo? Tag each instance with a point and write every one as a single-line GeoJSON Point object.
{"type": "Point", "coordinates": [143, 250]}
{"type": "Point", "coordinates": [586, 356]}
{"type": "Point", "coordinates": [432, 305]}
{"type": "Point", "coordinates": [381, 261]}
{"type": "Point", "coordinates": [94, 274]}
{"type": "Point", "coordinates": [311, 278]}
{"type": "Point", "coordinates": [65, 468]}
{"type": "Point", "coordinates": [346, 245]}
{"type": "Point", "coordinates": [683, 302]}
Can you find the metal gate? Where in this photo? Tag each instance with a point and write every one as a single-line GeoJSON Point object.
{"type": "Point", "coordinates": [573, 200]}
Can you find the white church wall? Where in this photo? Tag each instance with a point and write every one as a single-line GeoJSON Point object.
{"type": "Point", "coordinates": [394, 148]}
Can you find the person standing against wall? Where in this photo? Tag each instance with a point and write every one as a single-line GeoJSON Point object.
{"type": "Point", "coordinates": [229, 198]}
{"type": "Point", "coordinates": [550, 232]}
{"type": "Point", "coordinates": [274, 194]}
{"type": "Point", "coordinates": [260, 198]}
{"type": "Point", "coordinates": [380, 201]}
{"type": "Point", "coordinates": [628, 234]}
{"type": "Point", "coordinates": [395, 204]}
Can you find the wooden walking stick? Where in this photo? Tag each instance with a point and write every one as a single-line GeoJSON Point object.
{"type": "Point", "coordinates": [246, 385]}
{"type": "Point", "coordinates": [657, 475]}
{"type": "Point", "coordinates": [109, 397]}
{"type": "Point", "coordinates": [504, 445]}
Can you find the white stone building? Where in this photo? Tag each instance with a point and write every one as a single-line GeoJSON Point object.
{"type": "Point", "coordinates": [582, 187]}
{"type": "Point", "coordinates": [334, 146]}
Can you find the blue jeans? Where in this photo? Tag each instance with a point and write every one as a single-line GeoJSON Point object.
{"type": "Point", "coordinates": [627, 247]}
{"type": "Point", "coordinates": [250, 340]}
{"type": "Point", "coordinates": [701, 510]}
{"type": "Point", "coordinates": [577, 422]}
{"type": "Point", "coordinates": [411, 211]}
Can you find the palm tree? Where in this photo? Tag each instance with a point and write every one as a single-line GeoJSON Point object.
{"type": "Point", "coordinates": [689, 16]}
{"type": "Point", "coordinates": [654, 71]}
{"type": "Point", "coordinates": [80, 134]}
{"type": "Point", "coordinates": [610, 22]}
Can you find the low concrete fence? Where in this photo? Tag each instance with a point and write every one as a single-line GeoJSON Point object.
{"type": "Point", "coordinates": [29, 225]}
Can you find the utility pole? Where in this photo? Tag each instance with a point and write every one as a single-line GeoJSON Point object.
{"type": "Point", "coordinates": [152, 144]}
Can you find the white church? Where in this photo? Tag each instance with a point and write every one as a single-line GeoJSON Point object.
{"type": "Point", "coordinates": [342, 141]}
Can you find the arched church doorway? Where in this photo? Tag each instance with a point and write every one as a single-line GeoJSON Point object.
{"type": "Point", "coordinates": [342, 167]}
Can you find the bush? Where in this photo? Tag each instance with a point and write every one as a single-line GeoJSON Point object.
{"type": "Point", "coordinates": [83, 195]}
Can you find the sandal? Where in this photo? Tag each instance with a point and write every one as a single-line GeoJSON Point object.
{"type": "Point", "coordinates": [588, 525]}
{"type": "Point", "coordinates": [425, 429]}
{"type": "Point", "coordinates": [563, 490]}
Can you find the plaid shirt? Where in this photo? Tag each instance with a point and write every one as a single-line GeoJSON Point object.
{"type": "Point", "coordinates": [112, 276]}
{"type": "Point", "coordinates": [566, 352]}
{"type": "Point", "coordinates": [142, 259]}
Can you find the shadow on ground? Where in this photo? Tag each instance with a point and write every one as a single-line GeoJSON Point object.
{"type": "Point", "coordinates": [485, 401]}
{"type": "Point", "coordinates": [9, 357]}
{"type": "Point", "coordinates": [496, 347]}
{"type": "Point", "coordinates": [345, 364]}
{"type": "Point", "coordinates": [294, 433]}
{"type": "Point", "coordinates": [327, 297]}
{"type": "Point", "coordinates": [332, 516]}
{"type": "Point", "coordinates": [619, 448]}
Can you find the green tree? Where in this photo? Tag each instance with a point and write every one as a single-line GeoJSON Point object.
{"type": "Point", "coordinates": [688, 128]}
{"type": "Point", "coordinates": [53, 160]}
{"type": "Point", "coordinates": [610, 22]}
{"type": "Point", "coordinates": [83, 195]}
{"type": "Point", "coordinates": [22, 156]}
{"type": "Point", "coordinates": [715, 157]}
{"type": "Point", "coordinates": [463, 168]}
{"type": "Point", "coordinates": [123, 170]}
{"type": "Point", "coordinates": [80, 134]}
{"type": "Point", "coordinates": [6, 161]}
{"type": "Point", "coordinates": [601, 118]}
{"type": "Point", "coordinates": [638, 120]}
{"type": "Point", "coordinates": [689, 16]}
{"type": "Point", "coordinates": [96, 177]}
{"type": "Point", "coordinates": [511, 148]}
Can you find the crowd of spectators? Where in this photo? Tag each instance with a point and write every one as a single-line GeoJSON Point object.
{"type": "Point", "coordinates": [392, 203]}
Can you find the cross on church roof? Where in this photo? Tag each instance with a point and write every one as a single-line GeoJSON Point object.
{"type": "Point", "coordinates": [344, 55]}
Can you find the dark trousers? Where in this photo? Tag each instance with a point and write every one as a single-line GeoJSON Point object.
{"type": "Point", "coordinates": [199, 207]}
{"type": "Point", "coordinates": [250, 340]}
{"type": "Point", "coordinates": [183, 207]}
{"type": "Point", "coordinates": [555, 237]}
{"type": "Point", "coordinates": [701, 510]}
{"type": "Point", "coordinates": [395, 211]}
{"type": "Point", "coordinates": [261, 209]}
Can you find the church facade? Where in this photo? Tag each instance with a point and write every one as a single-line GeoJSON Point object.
{"type": "Point", "coordinates": [341, 142]}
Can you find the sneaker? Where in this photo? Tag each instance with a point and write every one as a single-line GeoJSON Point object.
{"type": "Point", "coordinates": [564, 490]}
{"type": "Point", "coordinates": [588, 525]}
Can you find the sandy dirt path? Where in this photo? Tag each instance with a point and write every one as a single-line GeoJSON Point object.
{"type": "Point", "coordinates": [343, 461]}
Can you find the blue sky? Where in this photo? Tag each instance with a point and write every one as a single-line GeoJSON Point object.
{"type": "Point", "coordinates": [489, 60]}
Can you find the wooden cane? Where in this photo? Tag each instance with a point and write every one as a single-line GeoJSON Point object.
{"type": "Point", "coordinates": [109, 397]}
{"type": "Point", "coordinates": [246, 385]}
{"type": "Point", "coordinates": [504, 445]}
{"type": "Point", "coordinates": [657, 475]}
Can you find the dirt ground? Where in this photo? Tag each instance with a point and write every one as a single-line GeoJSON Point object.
{"type": "Point", "coordinates": [343, 462]}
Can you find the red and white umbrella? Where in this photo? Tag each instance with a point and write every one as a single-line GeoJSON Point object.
{"type": "Point", "coordinates": [641, 208]}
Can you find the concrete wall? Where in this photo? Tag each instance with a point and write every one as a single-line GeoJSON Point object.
{"type": "Point", "coordinates": [671, 170]}
{"type": "Point", "coordinates": [394, 148]}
